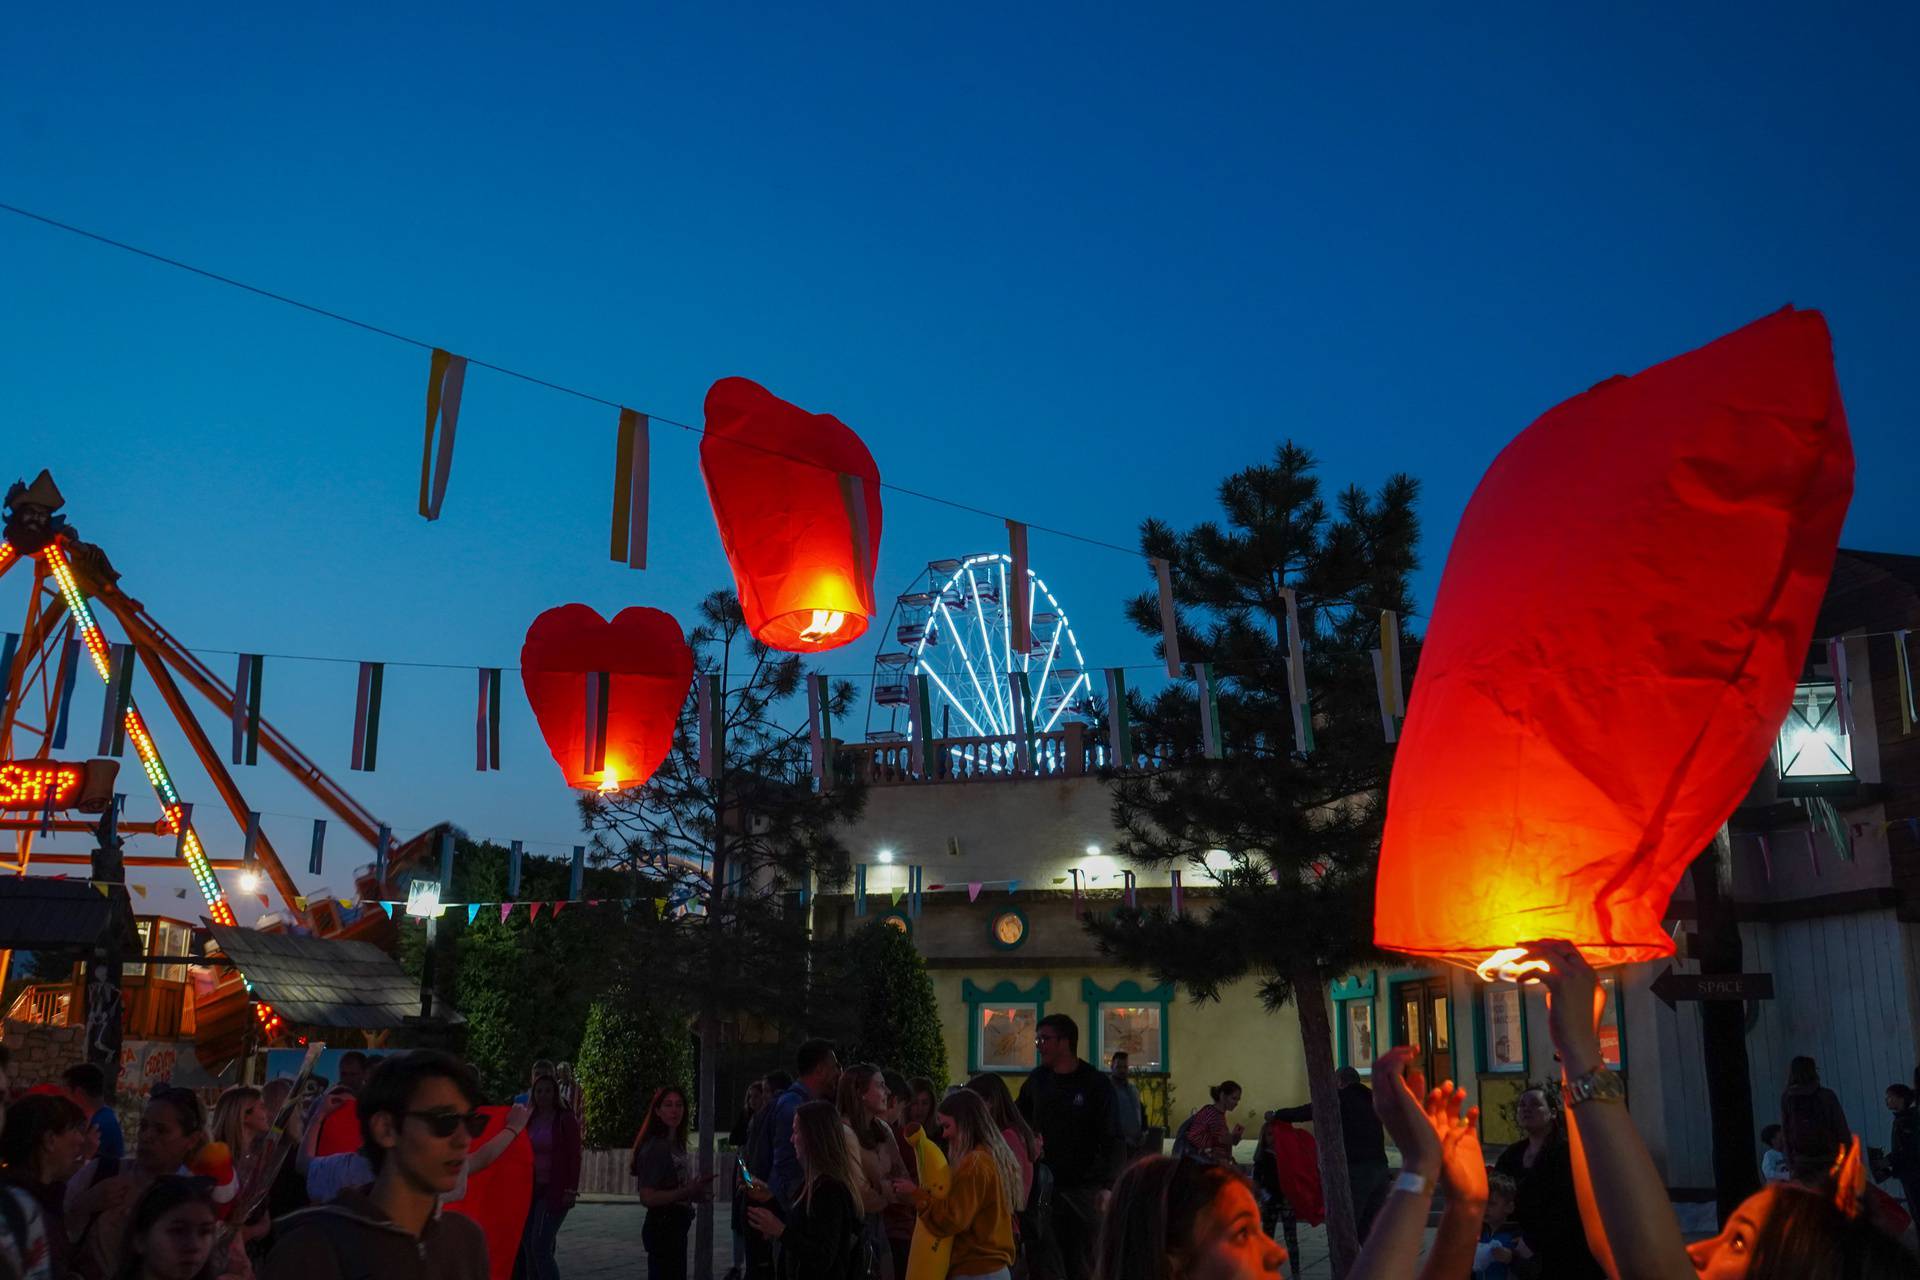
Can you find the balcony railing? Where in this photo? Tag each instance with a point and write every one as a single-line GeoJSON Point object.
{"type": "Point", "coordinates": [1070, 751]}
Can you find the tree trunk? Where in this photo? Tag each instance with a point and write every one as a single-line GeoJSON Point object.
{"type": "Point", "coordinates": [1723, 1030]}
{"type": "Point", "coordinates": [1316, 1038]}
{"type": "Point", "coordinates": [709, 1087]}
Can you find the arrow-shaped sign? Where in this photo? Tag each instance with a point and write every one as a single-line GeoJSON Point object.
{"type": "Point", "coordinates": [1671, 986]}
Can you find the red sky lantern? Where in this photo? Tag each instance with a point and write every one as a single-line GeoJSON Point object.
{"type": "Point", "coordinates": [648, 668]}
{"type": "Point", "coordinates": [1626, 608]}
{"type": "Point", "coordinates": [797, 499]}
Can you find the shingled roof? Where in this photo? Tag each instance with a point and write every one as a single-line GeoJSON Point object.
{"type": "Point", "coordinates": [324, 982]}
{"type": "Point", "coordinates": [40, 913]}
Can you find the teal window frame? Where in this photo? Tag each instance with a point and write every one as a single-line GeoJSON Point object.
{"type": "Point", "coordinates": [1006, 992]}
{"type": "Point", "coordinates": [1482, 1032]}
{"type": "Point", "coordinates": [1348, 989]}
{"type": "Point", "coordinates": [1127, 991]}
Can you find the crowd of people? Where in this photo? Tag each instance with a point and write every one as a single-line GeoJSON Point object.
{"type": "Point", "coordinates": [854, 1172]}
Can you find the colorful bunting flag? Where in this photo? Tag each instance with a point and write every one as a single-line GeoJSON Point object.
{"type": "Point", "coordinates": [1013, 886]}
{"type": "Point", "coordinates": [1297, 676]}
{"type": "Point", "coordinates": [473, 909]}
{"type": "Point", "coordinates": [113, 711]}
{"type": "Point", "coordinates": [599, 712]}
{"type": "Point", "coordinates": [506, 909]}
{"type": "Point", "coordinates": [1119, 729]}
{"type": "Point", "coordinates": [853, 495]}
{"type": "Point", "coordinates": [632, 458]}
{"type": "Point", "coordinates": [366, 717]}
{"type": "Point", "coordinates": [319, 846]}
{"type": "Point", "coordinates": [1169, 620]}
{"type": "Point", "coordinates": [820, 730]}
{"type": "Point", "coordinates": [1903, 670]}
{"type": "Point", "coordinates": [1019, 595]}
{"type": "Point", "coordinates": [710, 708]}
{"type": "Point", "coordinates": [140, 889]}
{"type": "Point", "coordinates": [299, 900]}
{"type": "Point", "coordinates": [69, 673]}
{"type": "Point", "coordinates": [1212, 741]}
{"type": "Point", "coordinates": [558, 907]}
{"type": "Point", "coordinates": [246, 709]}
{"type": "Point", "coordinates": [533, 911]}
{"type": "Point", "coordinates": [486, 722]}
{"type": "Point", "coordinates": [100, 887]}
{"type": "Point", "coordinates": [896, 892]}
{"type": "Point", "coordinates": [446, 378]}
{"type": "Point", "coordinates": [973, 890]}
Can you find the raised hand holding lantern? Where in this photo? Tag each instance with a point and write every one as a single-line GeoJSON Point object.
{"type": "Point", "coordinates": [1625, 611]}
{"type": "Point", "coordinates": [796, 496]}
{"type": "Point", "coordinates": [612, 733]}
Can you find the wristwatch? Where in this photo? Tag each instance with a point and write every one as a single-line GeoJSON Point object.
{"type": "Point", "coordinates": [1597, 1085]}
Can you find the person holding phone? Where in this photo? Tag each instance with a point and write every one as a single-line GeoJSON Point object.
{"type": "Point", "coordinates": [668, 1188]}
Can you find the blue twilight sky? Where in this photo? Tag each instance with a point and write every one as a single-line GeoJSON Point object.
{"type": "Point", "coordinates": [1068, 262]}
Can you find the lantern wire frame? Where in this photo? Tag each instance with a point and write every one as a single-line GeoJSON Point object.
{"type": "Point", "coordinates": [956, 631]}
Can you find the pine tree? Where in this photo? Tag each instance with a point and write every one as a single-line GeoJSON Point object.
{"type": "Point", "coordinates": [895, 1017]}
{"type": "Point", "coordinates": [1294, 909]}
{"type": "Point", "coordinates": [738, 855]}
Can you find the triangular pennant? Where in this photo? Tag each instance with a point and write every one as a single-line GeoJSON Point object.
{"type": "Point", "coordinates": [178, 893]}
{"type": "Point", "coordinates": [446, 378]}
{"type": "Point", "coordinates": [1013, 886]}
{"type": "Point", "coordinates": [473, 909]}
{"type": "Point", "coordinates": [557, 907]}
{"type": "Point", "coordinates": [973, 890]}
{"type": "Point", "coordinates": [659, 906]}
{"type": "Point", "coordinates": [265, 905]}
{"type": "Point", "coordinates": [631, 463]}
{"type": "Point", "coordinates": [345, 902]}
{"type": "Point", "coordinates": [299, 902]}
{"type": "Point", "coordinates": [506, 909]}
{"type": "Point", "coordinates": [1059, 879]}
{"type": "Point", "coordinates": [100, 887]}
{"type": "Point", "coordinates": [533, 911]}
{"type": "Point", "coordinates": [140, 889]}
{"type": "Point", "coordinates": [897, 891]}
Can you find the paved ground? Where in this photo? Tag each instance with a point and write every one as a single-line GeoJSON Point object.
{"type": "Point", "coordinates": [601, 1241]}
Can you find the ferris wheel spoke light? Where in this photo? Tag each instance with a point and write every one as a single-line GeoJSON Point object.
{"type": "Point", "coordinates": [1065, 702]}
{"type": "Point", "coordinates": [1004, 714]}
{"type": "Point", "coordinates": [929, 673]}
{"type": "Point", "coordinates": [986, 703]}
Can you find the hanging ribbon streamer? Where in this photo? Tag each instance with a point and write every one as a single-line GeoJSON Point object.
{"type": "Point", "coordinates": [1019, 594]}
{"type": "Point", "coordinates": [1022, 698]}
{"type": "Point", "coordinates": [1389, 676]}
{"type": "Point", "coordinates": [250, 840]}
{"type": "Point", "coordinates": [1075, 873]}
{"type": "Point", "coordinates": [1829, 817]}
{"type": "Point", "coordinates": [1766, 858]}
{"type": "Point", "coordinates": [599, 710]}
{"type": "Point", "coordinates": [1169, 620]}
{"type": "Point", "coordinates": [486, 722]}
{"type": "Point", "coordinates": [1903, 669]}
{"type": "Point", "coordinates": [853, 493]}
{"type": "Point", "coordinates": [515, 853]}
{"type": "Point", "coordinates": [113, 715]}
{"type": "Point", "coordinates": [446, 859]}
{"type": "Point", "coordinates": [632, 459]}
{"type": "Point", "coordinates": [68, 677]}
{"type": "Point", "coordinates": [1842, 692]}
{"type": "Point", "coordinates": [916, 877]}
{"type": "Point", "coordinates": [246, 709]}
{"type": "Point", "coordinates": [9, 648]}
{"type": "Point", "coordinates": [315, 854]}
{"type": "Point", "coordinates": [1119, 727]}
{"type": "Point", "coordinates": [1297, 676]}
{"type": "Point", "coordinates": [1389, 723]}
{"type": "Point", "coordinates": [576, 874]}
{"type": "Point", "coordinates": [1173, 878]}
{"type": "Point", "coordinates": [1133, 896]}
{"type": "Point", "coordinates": [1813, 849]}
{"type": "Point", "coordinates": [708, 708]}
{"type": "Point", "coordinates": [820, 730]}
{"type": "Point", "coordinates": [446, 378]}
{"type": "Point", "coordinates": [860, 889]}
{"type": "Point", "coordinates": [46, 814]}
{"type": "Point", "coordinates": [920, 726]}
{"type": "Point", "coordinates": [1208, 692]}
{"type": "Point", "coordinates": [366, 717]}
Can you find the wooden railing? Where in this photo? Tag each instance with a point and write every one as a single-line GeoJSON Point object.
{"type": "Point", "coordinates": [48, 1004]}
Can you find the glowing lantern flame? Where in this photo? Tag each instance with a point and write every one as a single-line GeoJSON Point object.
{"type": "Point", "coordinates": [609, 780]}
{"type": "Point", "coordinates": [826, 622]}
{"type": "Point", "coordinates": [1505, 965]}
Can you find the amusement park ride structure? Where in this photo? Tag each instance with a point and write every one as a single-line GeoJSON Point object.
{"type": "Point", "coordinates": [72, 580]}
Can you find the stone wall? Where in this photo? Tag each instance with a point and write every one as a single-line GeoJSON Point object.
{"type": "Point", "coordinates": [41, 1052]}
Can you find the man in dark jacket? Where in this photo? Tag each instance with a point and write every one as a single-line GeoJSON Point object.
{"type": "Point", "coordinates": [1365, 1141]}
{"type": "Point", "coordinates": [1903, 1155]}
{"type": "Point", "coordinates": [816, 1077]}
{"type": "Point", "coordinates": [1070, 1104]}
{"type": "Point", "coordinates": [417, 1120]}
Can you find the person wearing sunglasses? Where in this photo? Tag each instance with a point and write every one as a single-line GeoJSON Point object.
{"type": "Point", "coordinates": [417, 1124]}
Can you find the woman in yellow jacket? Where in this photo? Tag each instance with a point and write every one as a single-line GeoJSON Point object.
{"type": "Point", "coordinates": [976, 1211]}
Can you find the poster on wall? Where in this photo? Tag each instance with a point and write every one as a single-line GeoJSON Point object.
{"type": "Point", "coordinates": [1006, 1037]}
{"type": "Point", "coordinates": [1360, 1050]}
{"type": "Point", "coordinates": [1506, 1047]}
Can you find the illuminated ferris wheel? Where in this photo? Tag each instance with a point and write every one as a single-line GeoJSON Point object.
{"type": "Point", "coordinates": [955, 630]}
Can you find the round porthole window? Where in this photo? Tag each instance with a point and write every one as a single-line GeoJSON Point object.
{"type": "Point", "coordinates": [1007, 929]}
{"type": "Point", "coordinates": [894, 920]}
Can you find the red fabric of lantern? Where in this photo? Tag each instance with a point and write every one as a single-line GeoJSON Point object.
{"type": "Point", "coordinates": [651, 667]}
{"type": "Point", "coordinates": [797, 498]}
{"type": "Point", "coordinates": [1625, 611]}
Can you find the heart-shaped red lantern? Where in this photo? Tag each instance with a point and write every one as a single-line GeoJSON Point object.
{"type": "Point", "coordinates": [797, 498]}
{"type": "Point", "coordinates": [648, 667]}
{"type": "Point", "coordinates": [1626, 609]}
